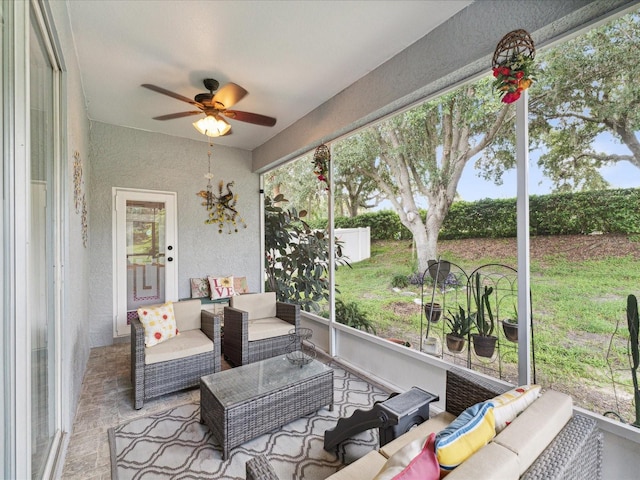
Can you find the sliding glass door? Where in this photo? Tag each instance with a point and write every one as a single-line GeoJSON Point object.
{"type": "Point", "coordinates": [42, 245]}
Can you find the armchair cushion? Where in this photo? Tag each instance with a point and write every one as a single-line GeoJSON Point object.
{"type": "Point", "coordinates": [257, 305]}
{"type": "Point", "coordinates": [262, 328]}
{"type": "Point", "coordinates": [159, 322]}
{"type": "Point", "coordinates": [191, 342]}
{"type": "Point", "coordinates": [187, 314]}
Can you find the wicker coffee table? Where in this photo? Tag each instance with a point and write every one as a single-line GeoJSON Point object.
{"type": "Point", "coordinates": [244, 402]}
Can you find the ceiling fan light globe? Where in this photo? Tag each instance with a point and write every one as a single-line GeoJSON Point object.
{"type": "Point", "coordinates": [212, 126]}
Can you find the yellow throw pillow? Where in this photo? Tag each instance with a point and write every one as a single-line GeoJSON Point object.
{"type": "Point", "coordinates": [467, 434]}
{"type": "Point", "coordinates": [509, 405]}
{"type": "Point", "coordinates": [159, 323]}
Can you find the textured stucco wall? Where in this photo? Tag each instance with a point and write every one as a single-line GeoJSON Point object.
{"type": "Point", "coordinates": [123, 157]}
{"type": "Point", "coordinates": [456, 51]}
{"type": "Point", "coordinates": [75, 345]}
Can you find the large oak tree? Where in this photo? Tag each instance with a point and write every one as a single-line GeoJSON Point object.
{"type": "Point", "coordinates": [421, 154]}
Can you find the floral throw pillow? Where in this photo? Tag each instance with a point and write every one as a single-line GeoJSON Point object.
{"type": "Point", "coordinates": [240, 285]}
{"type": "Point", "coordinates": [159, 323]}
{"type": "Point", "coordinates": [221, 287]}
{"type": "Point", "coordinates": [200, 288]}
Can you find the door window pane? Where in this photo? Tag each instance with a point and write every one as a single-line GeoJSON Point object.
{"type": "Point", "coordinates": [145, 254]}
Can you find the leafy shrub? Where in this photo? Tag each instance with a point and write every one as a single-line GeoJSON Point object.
{"type": "Point", "coordinates": [351, 315]}
{"type": "Point", "coordinates": [400, 281]}
{"type": "Point", "coordinates": [606, 211]}
{"type": "Point", "coordinates": [297, 257]}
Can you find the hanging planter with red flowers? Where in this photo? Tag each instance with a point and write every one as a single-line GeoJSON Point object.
{"type": "Point", "coordinates": [321, 159]}
{"type": "Point", "coordinates": [513, 65]}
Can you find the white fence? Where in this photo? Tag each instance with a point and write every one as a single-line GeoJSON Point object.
{"type": "Point", "coordinates": [356, 243]}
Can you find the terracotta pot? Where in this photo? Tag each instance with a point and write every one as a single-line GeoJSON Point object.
{"type": "Point", "coordinates": [455, 343]}
{"type": "Point", "coordinates": [433, 314]}
{"type": "Point", "coordinates": [399, 341]}
{"type": "Point", "coordinates": [510, 330]}
{"type": "Point", "coordinates": [484, 345]}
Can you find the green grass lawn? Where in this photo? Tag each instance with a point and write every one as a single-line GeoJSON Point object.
{"type": "Point", "coordinates": [576, 307]}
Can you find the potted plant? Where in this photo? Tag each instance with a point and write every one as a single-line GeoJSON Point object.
{"type": "Point", "coordinates": [433, 311]}
{"type": "Point", "coordinates": [460, 326]}
{"type": "Point", "coordinates": [484, 342]}
{"type": "Point", "coordinates": [510, 327]}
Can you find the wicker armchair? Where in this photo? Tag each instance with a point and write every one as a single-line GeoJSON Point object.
{"type": "Point", "coordinates": [179, 362]}
{"type": "Point", "coordinates": [256, 327]}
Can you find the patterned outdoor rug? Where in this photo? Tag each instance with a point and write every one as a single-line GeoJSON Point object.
{"type": "Point", "coordinates": [173, 444]}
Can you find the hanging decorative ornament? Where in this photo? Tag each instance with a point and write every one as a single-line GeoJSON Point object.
{"type": "Point", "coordinates": [513, 65]}
{"type": "Point", "coordinates": [321, 159]}
{"type": "Point", "coordinates": [221, 208]}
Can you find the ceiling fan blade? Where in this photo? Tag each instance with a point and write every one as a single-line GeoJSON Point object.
{"type": "Point", "coordinates": [171, 94]}
{"type": "Point", "coordinates": [171, 116]}
{"type": "Point", "coordinates": [250, 117]}
{"type": "Point", "coordinates": [228, 96]}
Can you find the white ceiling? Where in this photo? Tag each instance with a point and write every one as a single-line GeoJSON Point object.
{"type": "Point", "coordinates": [291, 56]}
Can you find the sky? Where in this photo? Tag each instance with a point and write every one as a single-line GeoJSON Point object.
{"type": "Point", "coordinates": [620, 175]}
{"type": "Point", "coordinates": [472, 188]}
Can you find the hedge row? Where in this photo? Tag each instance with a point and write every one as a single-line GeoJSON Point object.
{"type": "Point", "coordinates": [606, 211]}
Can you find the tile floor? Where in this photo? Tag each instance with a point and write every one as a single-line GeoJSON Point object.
{"type": "Point", "coordinates": [106, 401]}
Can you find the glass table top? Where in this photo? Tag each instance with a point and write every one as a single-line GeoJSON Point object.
{"type": "Point", "coordinates": [240, 384]}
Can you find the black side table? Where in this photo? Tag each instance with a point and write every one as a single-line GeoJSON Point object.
{"type": "Point", "coordinates": [404, 412]}
{"type": "Point", "coordinates": [393, 417]}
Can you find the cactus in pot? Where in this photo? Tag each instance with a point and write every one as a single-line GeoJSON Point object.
{"type": "Point", "coordinates": [634, 324]}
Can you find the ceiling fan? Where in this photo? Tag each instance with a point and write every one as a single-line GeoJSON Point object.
{"type": "Point", "coordinates": [214, 106]}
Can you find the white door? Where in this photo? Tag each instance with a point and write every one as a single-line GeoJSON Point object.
{"type": "Point", "coordinates": [145, 252]}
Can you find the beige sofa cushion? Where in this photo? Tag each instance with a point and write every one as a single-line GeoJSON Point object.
{"type": "Point", "coordinates": [189, 342]}
{"type": "Point", "coordinates": [434, 424]}
{"type": "Point", "coordinates": [365, 467]}
{"type": "Point", "coordinates": [257, 305]}
{"type": "Point", "coordinates": [532, 431]}
{"type": "Point", "coordinates": [262, 328]}
{"type": "Point", "coordinates": [187, 314]}
{"type": "Point", "coordinates": [491, 462]}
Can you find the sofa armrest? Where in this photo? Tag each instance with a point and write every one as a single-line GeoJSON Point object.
{"type": "Point", "coordinates": [259, 468]}
{"type": "Point", "coordinates": [465, 389]}
{"type": "Point", "coordinates": [575, 453]}
{"type": "Point", "coordinates": [137, 362]}
{"type": "Point", "coordinates": [288, 312]}
{"type": "Point", "coordinates": [236, 335]}
{"type": "Point", "coordinates": [210, 326]}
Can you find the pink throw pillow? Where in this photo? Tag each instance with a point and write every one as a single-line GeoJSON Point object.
{"type": "Point", "coordinates": [415, 461]}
